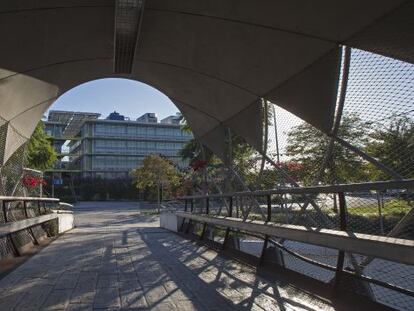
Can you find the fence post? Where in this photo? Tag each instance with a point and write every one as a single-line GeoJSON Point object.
{"type": "Point", "coordinates": [343, 227]}
{"type": "Point", "coordinates": [269, 208]}
{"type": "Point", "coordinates": [266, 240]}
{"type": "Point", "coordinates": [25, 209]}
{"type": "Point", "coordinates": [38, 208]}
{"type": "Point", "coordinates": [35, 241]}
{"type": "Point", "coordinates": [203, 232]}
{"type": "Point", "coordinates": [13, 245]}
{"type": "Point", "coordinates": [4, 211]}
{"type": "Point", "coordinates": [226, 237]}
{"type": "Point", "coordinates": [207, 206]}
{"type": "Point", "coordinates": [231, 207]}
{"type": "Point", "coordinates": [185, 205]}
{"type": "Point", "coordinates": [192, 205]}
{"type": "Point", "coordinates": [380, 200]}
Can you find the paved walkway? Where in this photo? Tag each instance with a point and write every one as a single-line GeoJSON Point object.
{"type": "Point", "coordinates": [118, 259]}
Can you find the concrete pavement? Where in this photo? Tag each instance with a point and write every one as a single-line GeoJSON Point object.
{"type": "Point", "coordinates": [119, 259]}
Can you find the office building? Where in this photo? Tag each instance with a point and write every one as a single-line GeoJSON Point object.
{"type": "Point", "coordinates": [112, 147]}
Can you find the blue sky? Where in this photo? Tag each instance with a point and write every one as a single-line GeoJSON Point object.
{"type": "Point", "coordinates": [130, 98]}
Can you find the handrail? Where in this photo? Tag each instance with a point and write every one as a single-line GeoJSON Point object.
{"type": "Point", "coordinates": [28, 199]}
{"type": "Point", "coordinates": [15, 226]}
{"type": "Point", "coordinates": [10, 227]}
{"type": "Point", "coordinates": [378, 185]}
{"type": "Point", "coordinates": [393, 249]}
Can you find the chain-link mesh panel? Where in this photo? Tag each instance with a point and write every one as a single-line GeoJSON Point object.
{"type": "Point", "coordinates": [32, 182]}
{"type": "Point", "coordinates": [17, 181]}
{"type": "Point", "coordinates": [390, 272]}
{"type": "Point", "coordinates": [11, 174]}
{"type": "Point", "coordinates": [380, 96]}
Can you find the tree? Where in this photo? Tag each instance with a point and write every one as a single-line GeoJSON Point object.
{"type": "Point", "coordinates": [40, 153]}
{"type": "Point", "coordinates": [156, 173]}
{"type": "Point", "coordinates": [241, 161]}
{"type": "Point", "coordinates": [307, 145]}
{"type": "Point", "coordinates": [393, 145]}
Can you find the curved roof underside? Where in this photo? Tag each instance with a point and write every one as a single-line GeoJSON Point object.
{"type": "Point", "coordinates": [214, 59]}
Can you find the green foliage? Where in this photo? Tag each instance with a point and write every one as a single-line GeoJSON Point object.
{"type": "Point", "coordinates": [40, 153]}
{"type": "Point", "coordinates": [308, 146]}
{"type": "Point", "coordinates": [393, 146]}
{"type": "Point", "coordinates": [155, 172]}
{"type": "Point", "coordinates": [394, 207]}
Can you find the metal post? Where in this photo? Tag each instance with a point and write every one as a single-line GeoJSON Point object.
{"type": "Point", "coordinates": [185, 205]}
{"type": "Point", "coordinates": [343, 226]}
{"type": "Point", "coordinates": [207, 206]}
{"type": "Point", "coordinates": [4, 211]}
{"type": "Point", "coordinates": [13, 245]}
{"type": "Point", "coordinates": [25, 209]}
{"type": "Point", "coordinates": [380, 206]}
{"type": "Point", "coordinates": [269, 208]}
{"type": "Point", "coordinates": [231, 207]}
{"type": "Point", "coordinates": [269, 218]}
{"type": "Point", "coordinates": [226, 237]}
{"type": "Point", "coordinates": [35, 241]}
{"type": "Point", "coordinates": [187, 230]}
{"type": "Point", "coordinates": [192, 205]}
{"type": "Point", "coordinates": [38, 207]}
{"type": "Point", "coordinates": [262, 256]}
{"type": "Point", "coordinates": [342, 211]}
{"type": "Point", "coordinates": [203, 232]}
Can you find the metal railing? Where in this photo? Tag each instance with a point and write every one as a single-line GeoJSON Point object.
{"type": "Point", "coordinates": [23, 221]}
{"type": "Point", "coordinates": [380, 212]}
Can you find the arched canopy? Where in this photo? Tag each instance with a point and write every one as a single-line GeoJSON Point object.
{"type": "Point", "coordinates": [214, 59]}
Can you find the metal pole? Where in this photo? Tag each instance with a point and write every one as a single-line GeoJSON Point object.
{"type": "Point", "coordinates": [338, 113]}
{"type": "Point", "coordinates": [192, 205]}
{"type": "Point", "coordinates": [262, 256]}
{"type": "Point", "coordinates": [38, 208]}
{"type": "Point", "coordinates": [226, 237]}
{"type": "Point", "coordinates": [13, 245]}
{"type": "Point", "coordinates": [231, 207]}
{"type": "Point", "coordinates": [35, 241]}
{"type": "Point", "coordinates": [380, 205]}
{"type": "Point", "coordinates": [4, 211]}
{"type": "Point", "coordinates": [203, 232]}
{"type": "Point", "coordinates": [276, 136]}
{"type": "Point", "coordinates": [185, 205]}
{"type": "Point", "coordinates": [269, 218]}
{"type": "Point", "coordinates": [343, 226]}
{"type": "Point", "coordinates": [269, 208]}
{"type": "Point", "coordinates": [207, 206]}
{"type": "Point", "coordinates": [342, 211]}
{"type": "Point", "coordinates": [25, 209]}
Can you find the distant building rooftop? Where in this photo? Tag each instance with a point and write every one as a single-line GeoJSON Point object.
{"type": "Point", "coordinates": [149, 117]}
{"type": "Point", "coordinates": [73, 120]}
{"type": "Point", "coordinates": [174, 119]}
{"type": "Point", "coordinates": [115, 116]}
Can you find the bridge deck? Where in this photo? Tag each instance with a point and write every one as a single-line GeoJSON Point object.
{"type": "Point", "coordinates": [117, 259]}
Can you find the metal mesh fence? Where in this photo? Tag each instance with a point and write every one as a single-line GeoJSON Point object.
{"type": "Point", "coordinates": [17, 181]}
{"type": "Point", "coordinates": [377, 118]}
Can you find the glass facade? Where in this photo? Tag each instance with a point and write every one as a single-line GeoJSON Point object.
{"type": "Point", "coordinates": [157, 131]}
{"type": "Point", "coordinates": [113, 148]}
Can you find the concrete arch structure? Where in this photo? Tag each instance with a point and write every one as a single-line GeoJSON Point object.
{"type": "Point", "coordinates": [214, 59]}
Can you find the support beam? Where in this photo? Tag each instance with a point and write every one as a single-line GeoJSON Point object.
{"type": "Point", "coordinates": [128, 19]}
{"type": "Point", "coordinates": [12, 227]}
{"type": "Point", "coordinates": [393, 249]}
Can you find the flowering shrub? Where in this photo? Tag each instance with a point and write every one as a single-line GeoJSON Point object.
{"type": "Point", "coordinates": [199, 164]}
{"type": "Point", "coordinates": [32, 181]}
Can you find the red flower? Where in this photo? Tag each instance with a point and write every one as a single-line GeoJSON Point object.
{"type": "Point", "coordinates": [199, 164]}
{"type": "Point", "coordinates": [31, 181]}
